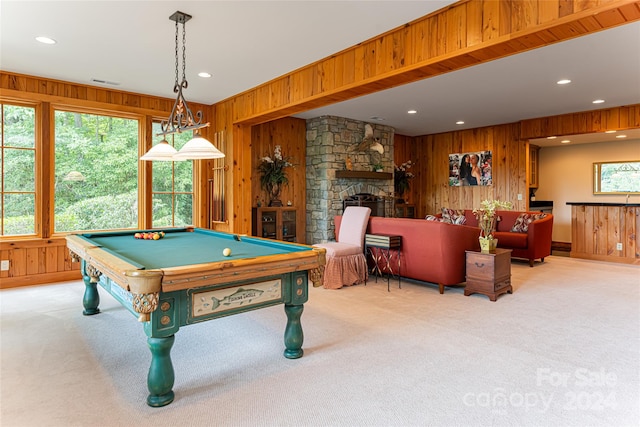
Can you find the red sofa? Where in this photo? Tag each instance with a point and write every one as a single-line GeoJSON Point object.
{"type": "Point", "coordinates": [532, 245]}
{"type": "Point", "coordinates": [432, 251]}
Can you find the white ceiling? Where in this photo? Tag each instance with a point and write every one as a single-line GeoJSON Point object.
{"type": "Point", "coordinates": [246, 43]}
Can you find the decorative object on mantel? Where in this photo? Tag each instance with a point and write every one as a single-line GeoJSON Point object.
{"type": "Point", "coordinates": [401, 178]}
{"type": "Point", "coordinates": [273, 174]}
{"type": "Point", "coordinates": [348, 164]}
{"type": "Point", "coordinates": [378, 167]}
{"type": "Point", "coordinates": [487, 220]}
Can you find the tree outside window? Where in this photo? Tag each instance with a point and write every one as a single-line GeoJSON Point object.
{"type": "Point", "coordinates": [18, 167]}
{"type": "Point", "coordinates": [96, 172]}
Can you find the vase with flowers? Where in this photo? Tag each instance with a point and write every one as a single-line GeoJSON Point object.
{"type": "Point", "coordinates": [273, 174]}
{"type": "Point", "coordinates": [401, 178]}
{"type": "Point", "coordinates": [487, 221]}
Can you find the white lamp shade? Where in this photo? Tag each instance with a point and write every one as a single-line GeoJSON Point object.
{"type": "Point", "coordinates": [162, 151]}
{"type": "Point", "coordinates": [198, 148]}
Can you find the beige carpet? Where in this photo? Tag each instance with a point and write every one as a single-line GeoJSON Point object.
{"type": "Point", "coordinates": [563, 349]}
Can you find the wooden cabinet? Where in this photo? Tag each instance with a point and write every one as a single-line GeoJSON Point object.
{"type": "Point", "coordinates": [533, 166]}
{"type": "Point", "coordinates": [405, 210]}
{"type": "Point", "coordinates": [275, 223]}
{"type": "Point", "coordinates": [488, 273]}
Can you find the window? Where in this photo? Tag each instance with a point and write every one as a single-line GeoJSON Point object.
{"type": "Point", "coordinates": [172, 189]}
{"type": "Point", "coordinates": [616, 177]}
{"type": "Point", "coordinates": [96, 172]}
{"type": "Point", "coordinates": [18, 160]}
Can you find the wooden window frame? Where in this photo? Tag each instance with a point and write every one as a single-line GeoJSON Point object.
{"type": "Point", "coordinates": [38, 170]}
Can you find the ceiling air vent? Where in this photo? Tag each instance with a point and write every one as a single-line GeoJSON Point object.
{"type": "Point", "coordinates": [105, 82]}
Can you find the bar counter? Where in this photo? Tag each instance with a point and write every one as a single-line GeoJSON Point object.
{"type": "Point", "coordinates": [603, 204]}
{"type": "Point", "coordinates": [605, 231]}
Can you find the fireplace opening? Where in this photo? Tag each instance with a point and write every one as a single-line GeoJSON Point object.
{"type": "Point", "coordinates": [375, 203]}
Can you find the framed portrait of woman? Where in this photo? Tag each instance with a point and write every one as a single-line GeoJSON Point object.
{"type": "Point", "coordinates": [470, 169]}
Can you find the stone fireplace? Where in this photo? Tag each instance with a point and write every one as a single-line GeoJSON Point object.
{"type": "Point", "coordinates": [330, 142]}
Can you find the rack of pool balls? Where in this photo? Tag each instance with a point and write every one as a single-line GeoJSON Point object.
{"type": "Point", "coordinates": [155, 235]}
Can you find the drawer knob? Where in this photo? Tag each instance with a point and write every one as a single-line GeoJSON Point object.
{"type": "Point", "coordinates": [479, 265]}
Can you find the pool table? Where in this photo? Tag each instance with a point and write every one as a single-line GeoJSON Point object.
{"type": "Point", "coordinates": [184, 278]}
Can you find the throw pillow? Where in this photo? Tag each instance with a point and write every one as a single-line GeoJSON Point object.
{"type": "Point", "coordinates": [431, 218]}
{"type": "Point", "coordinates": [453, 216]}
{"type": "Point", "coordinates": [524, 219]}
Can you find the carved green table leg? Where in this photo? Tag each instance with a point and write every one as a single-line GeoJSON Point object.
{"type": "Point", "coordinates": [91, 298]}
{"type": "Point", "coordinates": [293, 336]}
{"type": "Point", "coordinates": [161, 375]}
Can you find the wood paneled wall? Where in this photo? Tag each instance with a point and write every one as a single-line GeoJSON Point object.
{"type": "Point", "coordinates": [45, 258]}
{"type": "Point", "coordinates": [290, 133]}
{"type": "Point", "coordinates": [461, 35]}
{"type": "Point", "coordinates": [430, 188]}
{"type": "Point", "coordinates": [508, 143]}
{"type": "Point", "coordinates": [617, 118]}
{"type": "Point", "coordinates": [596, 230]}
{"type": "Point", "coordinates": [37, 261]}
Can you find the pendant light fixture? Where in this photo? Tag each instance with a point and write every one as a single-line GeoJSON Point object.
{"type": "Point", "coordinates": [181, 118]}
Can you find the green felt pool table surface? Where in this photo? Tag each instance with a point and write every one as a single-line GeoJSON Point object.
{"type": "Point", "coordinates": [180, 247]}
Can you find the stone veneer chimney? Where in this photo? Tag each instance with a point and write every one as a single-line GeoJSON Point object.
{"type": "Point", "coordinates": [330, 141]}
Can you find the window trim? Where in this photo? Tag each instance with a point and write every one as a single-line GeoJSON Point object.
{"type": "Point", "coordinates": [38, 163]}
{"type": "Point", "coordinates": [142, 171]}
{"type": "Point", "coordinates": [597, 177]}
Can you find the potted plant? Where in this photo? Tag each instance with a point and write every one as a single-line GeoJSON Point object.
{"type": "Point", "coordinates": [487, 220]}
{"type": "Point", "coordinates": [401, 178]}
{"type": "Point", "coordinates": [377, 167]}
{"type": "Point", "coordinates": [273, 174]}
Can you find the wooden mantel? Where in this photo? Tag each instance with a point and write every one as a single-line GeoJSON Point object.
{"type": "Point", "coordinates": [364, 175]}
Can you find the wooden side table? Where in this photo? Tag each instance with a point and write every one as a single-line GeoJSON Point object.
{"type": "Point", "coordinates": [381, 248]}
{"type": "Point", "coordinates": [488, 273]}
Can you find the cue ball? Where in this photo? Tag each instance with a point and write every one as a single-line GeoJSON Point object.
{"type": "Point", "coordinates": [226, 252]}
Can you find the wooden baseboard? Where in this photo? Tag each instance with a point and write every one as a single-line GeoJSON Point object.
{"type": "Point", "coordinates": [608, 258]}
{"type": "Point", "coordinates": [561, 246]}
{"type": "Point", "coordinates": [39, 279]}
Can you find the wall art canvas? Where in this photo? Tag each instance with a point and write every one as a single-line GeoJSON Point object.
{"type": "Point", "coordinates": [472, 168]}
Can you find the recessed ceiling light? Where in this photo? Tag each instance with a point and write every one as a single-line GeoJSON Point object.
{"type": "Point", "coordinates": [551, 137]}
{"type": "Point", "coordinates": [621, 136]}
{"type": "Point", "coordinates": [460, 122]}
{"type": "Point", "coordinates": [565, 141]}
{"type": "Point", "coordinates": [204, 75]}
{"type": "Point", "coordinates": [563, 82]}
{"type": "Point", "coordinates": [610, 131]}
{"type": "Point", "coordinates": [45, 40]}
{"type": "Point", "coordinates": [377, 118]}
{"type": "Point", "coordinates": [598, 101]}
{"type": "Point", "coordinates": [412, 112]}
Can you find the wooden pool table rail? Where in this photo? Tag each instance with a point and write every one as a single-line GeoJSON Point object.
{"type": "Point", "coordinates": [145, 285]}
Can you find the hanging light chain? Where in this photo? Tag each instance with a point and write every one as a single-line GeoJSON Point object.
{"type": "Point", "coordinates": [175, 88]}
{"type": "Point", "coordinates": [181, 118]}
{"type": "Point", "coordinates": [184, 56]}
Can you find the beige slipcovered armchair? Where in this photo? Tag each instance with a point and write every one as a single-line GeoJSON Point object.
{"type": "Point", "coordinates": [346, 263]}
